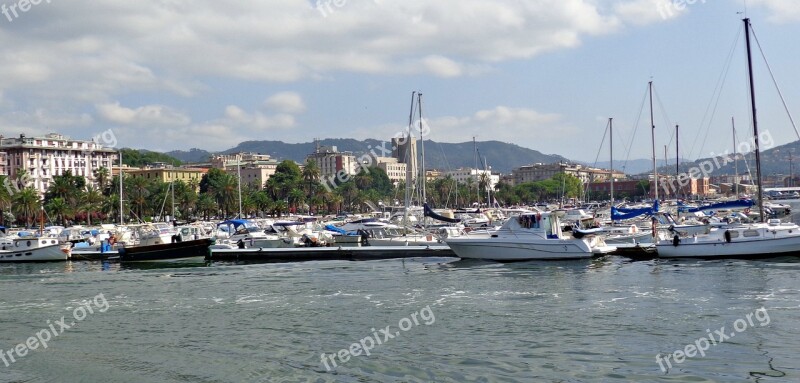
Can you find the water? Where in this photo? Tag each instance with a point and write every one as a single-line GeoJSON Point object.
{"type": "Point", "coordinates": [602, 320]}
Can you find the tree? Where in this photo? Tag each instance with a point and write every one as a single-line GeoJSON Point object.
{"type": "Point", "coordinates": [102, 176]}
{"type": "Point", "coordinates": [58, 208]}
{"type": "Point", "coordinates": [27, 203]}
{"type": "Point", "coordinates": [92, 200]}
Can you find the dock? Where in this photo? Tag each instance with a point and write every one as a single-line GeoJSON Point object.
{"type": "Point", "coordinates": [300, 254]}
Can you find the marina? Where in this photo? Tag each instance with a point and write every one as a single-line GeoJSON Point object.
{"type": "Point", "coordinates": [337, 191]}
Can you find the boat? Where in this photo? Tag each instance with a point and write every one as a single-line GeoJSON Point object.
{"type": "Point", "coordinates": [529, 236]}
{"type": "Point", "coordinates": [197, 248]}
{"type": "Point", "coordinates": [757, 240]}
{"type": "Point", "coordinates": [33, 249]}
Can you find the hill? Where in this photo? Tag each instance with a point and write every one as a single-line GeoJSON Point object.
{"type": "Point", "coordinates": [502, 157]}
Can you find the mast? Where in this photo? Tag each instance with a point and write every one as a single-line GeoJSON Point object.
{"type": "Point", "coordinates": [755, 121]}
{"type": "Point", "coordinates": [409, 161]}
{"type": "Point", "coordinates": [238, 183]}
{"type": "Point", "coordinates": [422, 174]}
{"type": "Point", "coordinates": [653, 138]}
{"type": "Point", "coordinates": [120, 187]}
{"type": "Point", "coordinates": [475, 149]}
{"type": "Point", "coordinates": [172, 189]}
{"type": "Point", "coordinates": [677, 162]}
{"type": "Point", "coordinates": [735, 159]}
{"type": "Point", "coordinates": [611, 155]}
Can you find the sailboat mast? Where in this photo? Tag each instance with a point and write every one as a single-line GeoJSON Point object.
{"type": "Point", "coordinates": [755, 120]}
{"type": "Point", "coordinates": [120, 187]}
{"type": "Point", "coordinates": [422, 174]}
{"type": "Point", "coordinates": [611, 155]}
{"type": "Point", "coordinates": [677, 161]}
{"type": "Point", "coordinates": [653, 139]}
{"type": "Point", "coordinates": [735, 159]}
{"type": "Point", "coordinates": [475, 149]}
{"type": "Point", "coordinates": [409, 161]}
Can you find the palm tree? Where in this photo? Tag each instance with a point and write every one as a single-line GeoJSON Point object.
{"type": "Point", "coordinates": [27, 203]}
{"type": "Point", "coordinates": [311, 174]}
{"type": "Point", "coordinates": [58, 208]}
{"type": "Point", "coordinates": [206, 206]}
{"type": "Point", "coordinates": [6, 197]}
{"type": "Point", "coordinates": [92, 201]}
{"type": "Point", "coordinates": [101, 176]}
{"type": "Point", "coordinates": [296, 198]}
{"type": "Point", "coordinates": [483, 185]}
{"type": "Point", "coordinates": [138, 193]}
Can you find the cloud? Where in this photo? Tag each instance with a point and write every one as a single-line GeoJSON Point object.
{"type": "Point", "coordinates": [643, 12]}
{"type": "Point", "coordinates": [286, 102]}
{"type": "Point", "coordinates": [158, 115]}
{"type": "Point", "coordinates": [781, 11]}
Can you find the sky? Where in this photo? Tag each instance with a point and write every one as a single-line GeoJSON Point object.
{"type": "Point", "coordinates": [542, 74]}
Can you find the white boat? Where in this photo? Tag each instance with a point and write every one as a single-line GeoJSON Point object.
{"type": "Point", "coordinates": [756, 240]}
{"type": "Point", "coordinates": [770, 239]}
{"type": "Point", "coordinates": [528, 237]}
{"type": "Point", "coordinates": [33, 249]}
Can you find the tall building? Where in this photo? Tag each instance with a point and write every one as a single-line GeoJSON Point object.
{"type": "Point", "coordinates": [331, 161]}
{"type": "Point", "coordinates": [42, 158]}
{"type": "Point", "coordinates": [405, 150]}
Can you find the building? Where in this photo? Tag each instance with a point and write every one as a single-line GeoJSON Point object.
{"type": "Point", "coordinates": [168, 174]}
{"type": "Point", "coordinates": [541, 172]}
{"type": "Point", "coordinates": [621, 188]}
{"type": "Point", "coordinates": [254, 168]}
{"type": "Point", "coordinates": [226, 161]}
{"type": "Point", "coordinates": [43, 158]}
{"type": "Point", "coordinates": [469, 175]}
{"type": "Point", "coordinates": [393, 168]}
{"type": "Point", "coordinates": [405, 150]}
{"type": "Point", "coordinates": [330, 161]}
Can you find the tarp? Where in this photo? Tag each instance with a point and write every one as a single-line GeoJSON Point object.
{"type": "Point", "coordinates": [430, 213]}
{"type": "Point", "coordinates": [620, 214]}
{"type": "Point", "coordinates": [738, 204]}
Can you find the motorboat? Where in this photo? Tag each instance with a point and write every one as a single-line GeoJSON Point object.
{"type": "Point", "coordinates": [33, 249]}
{"type": "Point", "coordinates": [529, 236]}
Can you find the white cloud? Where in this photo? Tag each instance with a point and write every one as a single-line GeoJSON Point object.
{"type": "Point", "coordinates": [643, 12]}
{"type": "Point", "coordinates": [157, 115]}
{"type": "Point", "coordinates": [781, 11]}
{"type": "Point", "coordinates": [286, 102]}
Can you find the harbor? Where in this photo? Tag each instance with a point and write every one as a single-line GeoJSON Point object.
{"type": "Point", "coordinates": [336, 191]}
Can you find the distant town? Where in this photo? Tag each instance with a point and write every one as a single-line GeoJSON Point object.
{"type": "Point", "coordinates": [37, 164]}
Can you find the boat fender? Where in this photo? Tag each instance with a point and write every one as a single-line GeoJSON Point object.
{"type": "Point", "coordinates": [727, 236]}
{"type": "Point", "coordinates": [676, 240]}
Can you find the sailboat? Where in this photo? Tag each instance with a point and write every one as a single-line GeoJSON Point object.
{"type": "Point", "coordinates": [764, 239]}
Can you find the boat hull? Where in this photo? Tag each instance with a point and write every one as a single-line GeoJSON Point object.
{"type": "Point", "coordinates": [763, 248]}
{"type": "Point", "coordinates": [166, 251]}
{"type": "Point", "coordinates": [501, 250]}
{"type": "Point", "coordinates": [50, 253]}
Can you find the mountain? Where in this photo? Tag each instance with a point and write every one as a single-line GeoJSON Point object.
{"type": "Point", "coordinates": [501, 156]}
{"type": "Point", "coordinates": [637, 166]}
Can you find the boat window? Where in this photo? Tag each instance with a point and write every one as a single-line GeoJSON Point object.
{"type": "Point", "coordinates": [734, 234]}
{"type": "Point", "coordinates": [751, 233]}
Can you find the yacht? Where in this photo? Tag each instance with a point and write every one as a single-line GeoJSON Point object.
{"type": "Point", "coordinates": [529, 236]}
